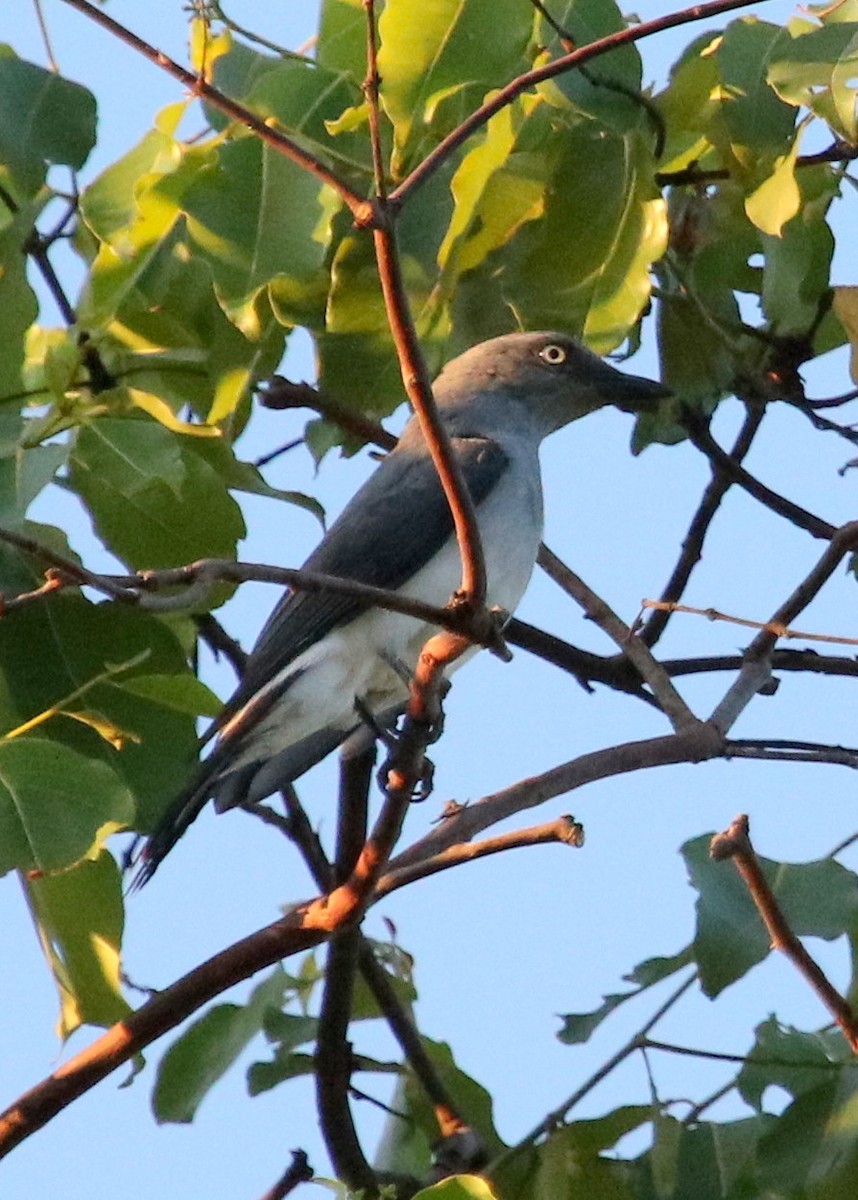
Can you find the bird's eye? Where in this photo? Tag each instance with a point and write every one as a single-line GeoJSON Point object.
{"type": "Point", "coordinates": [553, 354]}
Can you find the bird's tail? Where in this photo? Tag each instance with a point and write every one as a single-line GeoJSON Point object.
{"type": "Point", "coordinates": [184, 810]}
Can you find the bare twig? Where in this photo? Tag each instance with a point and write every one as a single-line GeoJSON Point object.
{"type": "Point", "coordinates": [700, 436]}
{"type": "Point", "coordinates": [564, 831]}
{"type": "Point", "coordinates": [636, 1042]}
{"type": "Point", "coordinates": [692, 543]}
{"type": "Point", "coordinates": [638, 653]}
{"type": "Point", "coordinates": [776, 629]}
{"type": "Point", "coordinates": [756, 666]}
{"type": "Point", "coordinates": [735, 843]}
{"type": "Point", "coordinates": [219, 642]}
{"type": "Point", "coordinates": [281, 393]}
{"type": "Point", "coordinates": [419, 389]}
{"type": "Point", "coordinates": [696, 744]}
{"type": "Point", "coordinates": [299, 1171]}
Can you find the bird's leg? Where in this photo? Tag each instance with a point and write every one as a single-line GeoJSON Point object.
{"type": "Point", "coordinates": [383, 733]}
{"type": "Point", "coordinates": [394, 743]}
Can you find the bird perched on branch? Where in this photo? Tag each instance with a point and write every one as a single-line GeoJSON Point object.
{"type": "Point", "coordinates": [323, 658]}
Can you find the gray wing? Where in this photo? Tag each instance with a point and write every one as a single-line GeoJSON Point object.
{"type": "Point", "coordinates": [390, 529]}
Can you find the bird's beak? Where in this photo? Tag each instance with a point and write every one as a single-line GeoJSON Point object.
{"type": "Point", "coordinates": [634, 394]}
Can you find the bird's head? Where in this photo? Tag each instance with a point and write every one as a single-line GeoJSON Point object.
{"type": "Point", "coordinates": [551, 375]}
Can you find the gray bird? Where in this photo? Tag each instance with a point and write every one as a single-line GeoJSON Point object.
{"type": "Point", "coordinates": [322, 656]}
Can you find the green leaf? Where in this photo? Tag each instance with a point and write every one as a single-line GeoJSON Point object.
{"type": "Point", "coordinates": [495, 194]}
{"type": "Point", "coordinates": [454, 42]}
{"type": "Point", "coordinates": [43, 117]}
{"type": "Point", "coordinates": [813, 1148]}
{"type": "Point", "coordinates": [154, 500]}
{"type": "Point", "coordinates": [208, 1048]}
{"type": "Point", "coordinates": [308, 101]}
{"type": "Point", "coordinates": [341, 44]}
{"type": "Point", "coordinates": [585, 265]}
{"type": "Point", "coordinates": [50, 650]}
{"type": "Point", "coordinates": [816, 70]}
{"type": "Point", "coordinates": [846, 307]}
{"type": "Point", "coordinates": [605, 89]}
{"type": "Point", "coordinates": [751, 125]}
{"type": "Point", "coordinates": [578, 1027]}
{"type": "Point", "coordinates": [570, 1163]}
{"type": "Point", "coordinates": [778, 198]}
{"type": "Point", "coordinates": [18, 310]}
{"type": "Point", "coordinates": [254, 215]}
{"type": "Point", "coordinates": [706, 1161]}
{"type": "Point", "coordinates": [133, 208]}
{"type": "Point", "coordinates": [818, 899]}
{"type": "Point", "coordinates": [787, 1058]}
{"type": "Point", "coordinates": [79, 917]}
{"type": "Point", "coordinates": [180, 693]}
{"type": "Point", "coordinates": [798, 263]}
{"type": "Point", "coordinates": [56, 806]}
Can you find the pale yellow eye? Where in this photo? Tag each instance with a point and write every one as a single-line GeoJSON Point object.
{"type": "Point", "coordinates": [553, 354]}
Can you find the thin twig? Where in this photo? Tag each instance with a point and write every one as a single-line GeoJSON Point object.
{"type": "Point", "coordinates": [692, 543]}
{"type": "Point", "coordinates": [558, 1115]}
{"type": "Point", "coordinates": [776, 629]}
{"type": "Point", "coordinates": [564, 831]}
{"type": "Point", "coordinates": [280, 393]}
{"type": "Point", "coordinates": [735, 843]}
{"type": "Point", "coordinates": [756, 666]}
{"type": "Point", "coordinates": [638, 653]}
{"type": "Point", "coordinates": [700, 436]}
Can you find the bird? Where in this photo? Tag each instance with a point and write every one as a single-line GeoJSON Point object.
{"type": "Point", "coordinates": [325, 661]}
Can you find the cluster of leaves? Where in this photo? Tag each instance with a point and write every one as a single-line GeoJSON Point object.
{"type": "Point", "coordinates": [582, 204]}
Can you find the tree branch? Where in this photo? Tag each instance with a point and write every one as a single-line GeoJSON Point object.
{"type": "Point", "coordinates": [735, 843]}
{"type": "Point", "coordinates": [756, 664]}
{"type": "Point", "coordinates": [419, 390]}
{"type": "Point", "coordinates": [697, 744]}
{"type": "Point", "coordinates": [700, 436]}
{"type": "Point", "coordinates": [564, 831]}
{"type": "Point", "coordinates": [692, 543]}
{"type": "Point", "coordinates": [358, 205]}
{"type": "Point", "coordinates": [638, 653]}
{"type": "Point", "coordinates": [559, 66]}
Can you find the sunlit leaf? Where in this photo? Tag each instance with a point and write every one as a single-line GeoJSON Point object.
{"type": "Point", "coordinates": [455, 42]}
{"type": "Point", "coordinates": [846, 308]}
{"type": "Point", "coordinates": [56, 806]}
{"type": "Point", "coordinates": [817, 70]}
{"type": "Point", "coordinates": [79, 917]}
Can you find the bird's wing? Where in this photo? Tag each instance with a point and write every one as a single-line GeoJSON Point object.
{"type": "Point", "coordinates": [402, 523]}
{"type": "Point", "coordinates": [394, 525]}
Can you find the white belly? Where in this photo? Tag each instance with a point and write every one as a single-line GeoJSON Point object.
{"type": "Point", "coordinates": [372, 657]}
